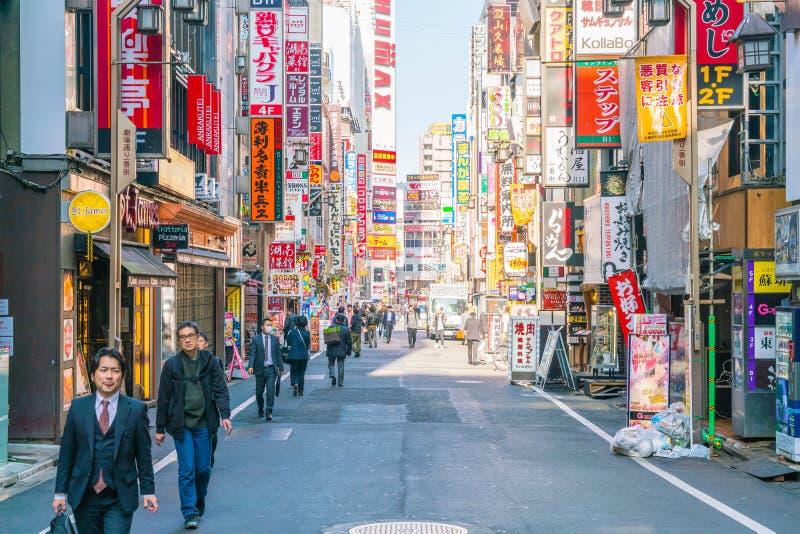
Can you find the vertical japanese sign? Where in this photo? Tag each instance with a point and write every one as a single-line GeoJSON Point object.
{"type": "Point", "coordinates": [598, 109]}
{"type": "Point", "coordinates": [596, 35]}
{"type": "Point", "coordinates": [334, 244]}
{"type": "Point", "coordinates": [266, 62]}
{"type": "Point", "coordinates": [557, 246]}
{"type": "Point", "coordinates": [282, 257]}
{"type": "Point", "coordinates": [615, 226]}
{"type": "Point", "coordinates": [498, 29]}
{"type": "Point", "coordinates": [196, 109]}
{"type": "Point", "coordinates": [505, 177]}
{"type": "Point", "coordinates": [315, 128]}
{"type": "Point", "coordinates": [718, 84]}
{"type": "Point", "coordinates": [351, 183]}
{"type": "Point", "coordinates": [383, 113]}
{"type": "Point", "coordinates": [567, 166]}
{"type": "Point", "coordinates": [661, 97]}
{"type": "Point", "coordinates": [462, 172]}
{"type": "Point", "coordinates": [498, 112]}
{"type": "Point", "coordinates": [558, 44]}
{"type": "Point", "coordinates": [524, 344]}
{"type": "Point", "coordinates": [142, 85]}
{"type": "Point", "coordinates": [523, 203]}
{"type": "Point", "coordinates": [266, 169]}
{"type": "Point", "coordinates": [297, 74]}
{"type": "Point", "coordinates": [627, 300]}
{"type": "Point", "coordinates": [361, 212]}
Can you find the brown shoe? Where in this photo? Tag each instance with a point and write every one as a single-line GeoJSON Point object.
{"type": "Point", "coordinates": [294, 390]}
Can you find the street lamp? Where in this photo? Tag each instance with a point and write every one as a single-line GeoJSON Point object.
{"type": "Point", "coordinates": [150, 20]}
{"type": "Point", "coordinates": [612, 9]}
{"type": "Point", "coordinates": [184, 5]}
{"type": "Point", "coordinates": [753, 40]}
{"type": "Point", "coordinates": [658, 12]}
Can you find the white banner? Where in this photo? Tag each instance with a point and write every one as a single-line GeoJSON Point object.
{"type": "Point", "coordinates": [566, 165]}
{"type": "Point", "coordinates": [596, 35]}
{"type": "Point", "coordinates": [592, 250]}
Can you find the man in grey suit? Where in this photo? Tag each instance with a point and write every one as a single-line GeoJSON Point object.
{"type": "Point", "coordinates": [105, 453]}
{"type": "Point", "coordinates": [266, 364]}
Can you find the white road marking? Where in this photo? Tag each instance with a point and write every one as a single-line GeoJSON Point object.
{"type": "Point", "coordinates": [173, 456]}
{"type": "Point", "coordinates": [672, 479]}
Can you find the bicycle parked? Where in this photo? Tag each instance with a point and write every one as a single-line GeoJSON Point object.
{"type": "Point", "coordinates": [498, 357]}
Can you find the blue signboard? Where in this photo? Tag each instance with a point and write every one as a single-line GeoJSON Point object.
{"type": "Point", "coordinates": [385, 217]}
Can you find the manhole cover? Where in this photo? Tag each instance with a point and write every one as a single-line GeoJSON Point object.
{"type": "Point", "coordinates": [408, 527]}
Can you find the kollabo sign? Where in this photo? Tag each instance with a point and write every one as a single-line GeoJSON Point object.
{"type": "Point", "coordinates": [90, 212]}
{"type": "Point", "coordinates": [515, 259]}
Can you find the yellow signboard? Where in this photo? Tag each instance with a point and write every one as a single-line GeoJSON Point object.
{"type": "Point", "coordinates": [381, 241]}
{"type": "Point", "coordinates": [763, 279]}
{"type": "Point", "coordinates": [661, 97]}
{"type": "Point", "coordinates": [90, 212]}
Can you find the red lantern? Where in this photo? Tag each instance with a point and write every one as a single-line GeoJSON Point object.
{"type": "Point", "coordinates": [315, 269]}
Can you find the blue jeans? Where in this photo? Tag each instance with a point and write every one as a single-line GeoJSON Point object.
{"type": "Point", "coordinates": [194, 468]}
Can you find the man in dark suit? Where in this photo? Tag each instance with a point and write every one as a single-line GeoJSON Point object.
{"type": "Point", "coordinates": [266, 365]}
{"type": "Point", "coordinates": [105, 453]}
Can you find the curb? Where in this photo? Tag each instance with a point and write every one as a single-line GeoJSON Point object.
{"type": "Point", "coordinates": [27, 473]}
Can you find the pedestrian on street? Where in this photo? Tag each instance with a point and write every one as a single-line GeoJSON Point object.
{"type": "Point", "coordinates": [439, 320]}
{"type": "Point", "coordinates": [372, 327]}
{"type": "Point", "coordinates": [381, 316]}
{"type": "Point", "coordinates": [473, 333]}
{"type": "Point", "coordinates": [267, 366]}
{"type": "Point", "coordinates": [192, 398]}
{"type": "Point", "coordinates": [389, 320]}
{"type": "Point", "coordinates": [412, 323]}
{"type": "Point", "coordinates": [299, 340]}
{"type": "Point", "coordinates": [340, 310]}
{"type": "Point", "coordinates": [202, 344]}
{"type": "Point", "coordinates": [105, 460]}
{"type": "Point", "coordinates": [338, 351]}
{"type": "Point", "coordinates": [356, 328]}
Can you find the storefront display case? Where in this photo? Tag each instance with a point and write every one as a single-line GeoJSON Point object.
{"type": "Point", "coordinates": [605, 355]}
{"type": "Point", "coordinates": [787, 392]}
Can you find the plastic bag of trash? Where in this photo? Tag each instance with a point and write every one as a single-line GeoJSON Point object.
{"type": "Point", "coordinates": [700, 451]}
{"type": "Point", "coordinates": [673, 422]}
{"type": "Point", "coordinates": [638, 441]}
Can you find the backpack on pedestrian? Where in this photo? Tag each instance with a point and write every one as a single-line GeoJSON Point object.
{"type": "Point", "coordinates": [331, 335]}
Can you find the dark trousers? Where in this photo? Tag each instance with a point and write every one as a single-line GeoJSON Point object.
{"type": "Point", "coordinates": [266, 380]}
{"type": "Point", "coordinates": [331, 363]}
{"type": "Point", "coordinates": [472, 349]}
{"type": "Point", "coordinates": [101, 512]}
{"type": "Point", "coordinates": [297, 373]}
{"type": "Point", "coordinates": [388, 331]}
{"type": "Point", "coordinates": [412, 336]}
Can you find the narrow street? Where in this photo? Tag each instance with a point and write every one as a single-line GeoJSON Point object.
{"type": "Point", "coordinates": [418, 435]}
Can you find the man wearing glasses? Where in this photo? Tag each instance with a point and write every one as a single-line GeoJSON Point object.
{"type": "Point", "coordinates": [192, 398]}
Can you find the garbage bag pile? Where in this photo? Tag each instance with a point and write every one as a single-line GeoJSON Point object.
{"type": "Point", "coordinates": [668, 437]}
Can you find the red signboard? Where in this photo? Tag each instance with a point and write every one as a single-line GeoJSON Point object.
{"type": "Point", "coordinates": [716, 22]}
{"type": "Point", "coordinates": [195, 109]}
{"type": "Point", "coordinates": [554, 299]}
{"type": "Point", "coordinates": [627, 299]}
{"type": "Point", "coordinates": [315, 152]}
{"type": "Point", "coordinates": [382, 254]}
{"type": "Point", "coordinates": [498, 28]}
{"type": "Point", "coordinates": [598, 108]}
{"type": "Point", "coordinates": [282, 257]}
{"type": "Point", "coordinates": [384, 156]}
{"type": "Point", "coordinates": [216, 122]}
{"type": "Point", "coordinates": [320, 250]}
{"type": "Point", "coordinates": [296, 56]}
{"type": "Point", "coordinates": [208, 97]}
{"type": "Point", "coordinates": [141, 85]}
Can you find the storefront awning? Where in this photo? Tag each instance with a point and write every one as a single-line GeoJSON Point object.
{"type": "Point", "coordinates": [209, 258]}
{"type": "Point", "coordinates": [144, 269]}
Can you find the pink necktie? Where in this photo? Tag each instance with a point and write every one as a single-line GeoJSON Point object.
{"type": "Point", "coordinates": [100, 485]}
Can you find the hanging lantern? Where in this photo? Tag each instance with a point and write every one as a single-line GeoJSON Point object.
{"type": "Point", "coordinates": [658, 12]}
{"type": "Point", "coordinates": [753, 40]}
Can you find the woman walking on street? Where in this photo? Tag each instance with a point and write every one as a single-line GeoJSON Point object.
{"type": "Point", "coordinates": [299, 340]}
{"type": "Point", "coordinates": [438, 327]}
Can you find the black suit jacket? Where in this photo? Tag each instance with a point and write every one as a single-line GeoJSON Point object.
{"type": "Point", "coordinates": [132, 459]}
{"type": "Point", "coordinates": [257, 354]}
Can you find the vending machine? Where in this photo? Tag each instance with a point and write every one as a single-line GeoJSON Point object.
{"type": "Point", "coordinates": [787, 375]}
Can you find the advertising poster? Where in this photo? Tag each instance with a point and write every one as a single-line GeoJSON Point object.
{"type": "Point", "coordinates": [598, 107]}
{"type": "Point", "coordinates": [592, 260]}
{"type": "Point", "coordinates": [69, 340]}
{"type": "Point", "coordinates": [266, 160]}
{"type": "Point", "coordinates": [82, 382]}
{"type": "Point", "coordinates": [286, 285]}
{"type": "Point", "coordinates": [498, 112]}
{"type": "Point", "coordinates": [313, 326]}
{"type": "Point", "coordinates": [524, 356]}
{"type": "Point", "coordinates": [787, 226]}
{"type": "Point", "coordinates": [515, 259]}
{"type": "Point", "coordinates": [523, 203]}
{"type": "Point", "coordinates": [68, 387]}
{"type": "Point", "coordinates": [661, 97]}
{"type": "Point", "coordinates": [648, 377]}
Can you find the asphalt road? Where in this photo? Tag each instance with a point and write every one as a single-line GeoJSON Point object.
{"type": "Point", "coordinates": [419, 435]}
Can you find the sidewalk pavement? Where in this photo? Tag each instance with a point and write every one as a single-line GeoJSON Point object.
{"type": "Point", "coordinates": [25, 460]}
